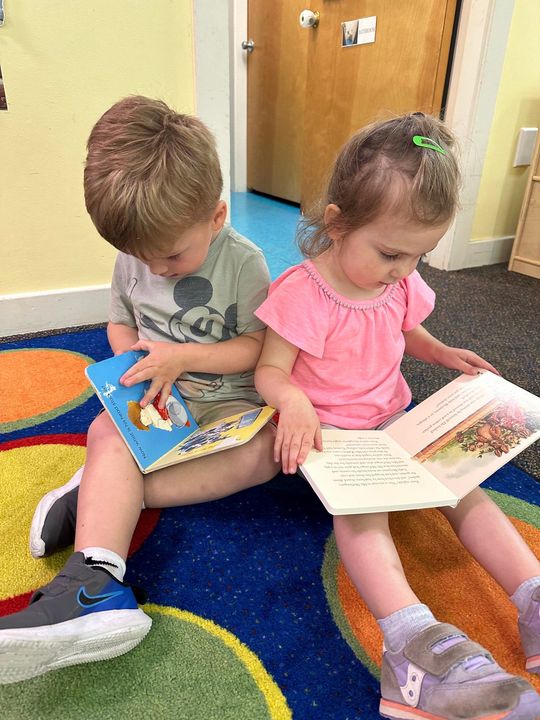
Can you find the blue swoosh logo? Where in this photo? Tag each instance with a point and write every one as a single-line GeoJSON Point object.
{"type": "Point", "coordinates": [85, 600]}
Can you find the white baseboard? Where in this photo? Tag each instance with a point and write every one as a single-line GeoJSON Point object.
{"type": "Point", "coordinates": [489, 251]}
{"type": "Point", "coordinates": [54, 309]}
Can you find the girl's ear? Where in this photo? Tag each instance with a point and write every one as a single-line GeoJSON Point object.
{"type": "Point", "coordinates": [331, 215]}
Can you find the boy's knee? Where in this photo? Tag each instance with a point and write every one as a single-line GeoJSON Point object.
{"type": "Point", "coordinates": [103, 430]}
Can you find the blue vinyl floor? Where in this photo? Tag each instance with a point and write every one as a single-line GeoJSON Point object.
{"type": "Point", "coordinates": [270, 224]}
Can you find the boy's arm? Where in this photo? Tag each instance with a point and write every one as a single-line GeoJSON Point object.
{"type": "Point", "coordinates": [121, 337]}
{"type": "Point", "coordinates": [299, 428]}
{"type": "Point", "coordinates": [420, 344]}
{"type": "Point", "coordinates": [166, 361]}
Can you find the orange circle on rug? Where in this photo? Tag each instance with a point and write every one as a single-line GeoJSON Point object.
{"type": "Point", "coordinates": [25, 373]}
{"type": "Point", "coordinates": [29, 468]}
{"type": "Point", "coordinates": [447, 579]}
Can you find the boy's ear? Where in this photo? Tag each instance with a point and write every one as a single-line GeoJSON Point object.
{"type": "Point", "coordinates": [331, 215]}
{"type": "Point", "coordinates": [219, 216]}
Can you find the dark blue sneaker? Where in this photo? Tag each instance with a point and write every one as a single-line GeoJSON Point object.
{"type": "Point", "coordinates": [53, 524]}
{"type": "Point", "coordinates": [84, 614]}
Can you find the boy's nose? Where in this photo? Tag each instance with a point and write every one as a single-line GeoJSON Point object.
{"type": "Point", "coordinates": [157, 267]}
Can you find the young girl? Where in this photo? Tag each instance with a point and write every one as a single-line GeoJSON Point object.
{"type": "Point", "coordinates": [338, 326]}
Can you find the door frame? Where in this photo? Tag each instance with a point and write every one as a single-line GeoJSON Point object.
{"type": "Point", "coordinates": [478, 58]}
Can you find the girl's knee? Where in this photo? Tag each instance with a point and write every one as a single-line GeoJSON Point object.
{"type": "Point", "coordinates": [470, 502]}
{"type": "Point", "coordinates": [362, 523]}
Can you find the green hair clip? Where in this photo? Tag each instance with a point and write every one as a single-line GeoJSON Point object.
{"type": "Point", "coordinates": [426, 142]}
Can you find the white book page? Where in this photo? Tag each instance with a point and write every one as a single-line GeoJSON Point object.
{"type": "Point", "coordinates": [362, 471]}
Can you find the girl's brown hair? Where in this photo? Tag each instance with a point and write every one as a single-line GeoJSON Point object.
{"type": "Point", "coordinates": [150, 172]}
{"type": "Point", "coordinates": [381, 169]}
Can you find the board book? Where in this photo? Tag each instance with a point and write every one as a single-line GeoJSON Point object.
{"type": "Point", "coordinates": [432, 456]}
{"type": "Point", "coordinates": [159, 437]}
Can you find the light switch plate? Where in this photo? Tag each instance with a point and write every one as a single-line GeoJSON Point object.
{"type": "Point", "coordinates": [525, 146]}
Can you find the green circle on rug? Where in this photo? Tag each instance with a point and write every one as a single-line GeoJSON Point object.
{"type": "Point", "coordinates": [187, 668]}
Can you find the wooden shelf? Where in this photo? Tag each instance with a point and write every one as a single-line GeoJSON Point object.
{"type": "Point", "coordinates": [525, 256]}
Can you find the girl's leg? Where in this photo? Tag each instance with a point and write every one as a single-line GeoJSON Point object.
{"type": "Point", "coordinates": [370, 557]}
{"type": "Point", "coordinates": [429, 669]}
{"type": "Point", "coordinates": [214, 476]}
{"type": "Point", "coordinates": [491, 539]}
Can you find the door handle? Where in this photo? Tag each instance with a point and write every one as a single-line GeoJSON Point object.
{"type": "Point", "coordinates": [309, 19]}
{"type": "Point", "coordinates": [248, 45]}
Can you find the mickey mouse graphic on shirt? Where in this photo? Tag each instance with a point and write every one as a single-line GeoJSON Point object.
{"type": "Point", "coordinates": [196, 321]}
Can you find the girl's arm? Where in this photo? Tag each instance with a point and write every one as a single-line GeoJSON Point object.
{"type": "Point", "coordinates": [299, 429]}
{"type": "Point", "coordinates": [420, 344]}
{"type": "Point", "coordinates": [121, 337]}
{"type": "Point", "coordinates": [166, 361]}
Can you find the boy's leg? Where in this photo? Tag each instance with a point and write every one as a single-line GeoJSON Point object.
{"type": "Point", "coordinates": [208, 478]}
{"type": "Point", "coordinates": [214, 476]}
{"type": "Point", "coordinates": [111, 491]}
{"type": "Point", "coordinates": [85, 613]}
{"type": "Point", "coordinates": [429, 668]}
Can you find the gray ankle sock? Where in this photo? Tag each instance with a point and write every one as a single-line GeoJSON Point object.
{"type": "Point", "coordinates": [401, 625]}
{"type": "Point", "coordinates": [523, 594]}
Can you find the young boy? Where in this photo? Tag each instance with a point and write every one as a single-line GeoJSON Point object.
{"type": "Point", "coordinates": [184, 289]}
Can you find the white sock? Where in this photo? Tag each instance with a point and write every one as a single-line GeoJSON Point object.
{"type": "Point", "coordinates": [523, 594]}
{"type": "Point", "coordinates": [106, 559]}
{"type": "Point", "coordinates": [401, 625]}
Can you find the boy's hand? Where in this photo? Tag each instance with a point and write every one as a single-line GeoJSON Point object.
{"type": "Point", "coordinates": [463, 360]}
{"type": "Point", "coordinates": [298, 431]}
{"type": "Point", "coordinates": [162, 366]}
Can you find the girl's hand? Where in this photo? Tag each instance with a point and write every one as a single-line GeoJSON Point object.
{"type": "Point", "coordinates": [298, 431]}
{"type": "Point", "coordinates": [463, 360]}
{"type": "Point", "coordinates": [163, 364]}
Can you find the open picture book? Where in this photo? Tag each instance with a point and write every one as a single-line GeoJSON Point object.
{"type": "Point", "coordinates": [432, 456]}
{"type": "Point", "coordinates": [158, 437]}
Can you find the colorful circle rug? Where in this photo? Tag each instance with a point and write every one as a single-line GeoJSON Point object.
{"type": "Point", "coordinates": [253, 614]}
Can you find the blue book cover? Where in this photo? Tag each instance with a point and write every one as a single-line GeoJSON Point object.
{"type": "Point", "coordinates": [149, 433]}
{"type": "Point", "coordinates": [158, 437]}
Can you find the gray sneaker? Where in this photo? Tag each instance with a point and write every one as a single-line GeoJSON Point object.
{"type": "Point", "coordinates": [84, 614]}
{"type": "Point", "coordinates": [441, 674]}
{"type": "Point", "coordinates": [53, 524]}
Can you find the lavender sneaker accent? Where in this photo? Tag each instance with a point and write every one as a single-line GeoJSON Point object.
{"type": "Point", "coordinates": [441, 674]}
{"type": "Point", "coordinates": [529, 629]}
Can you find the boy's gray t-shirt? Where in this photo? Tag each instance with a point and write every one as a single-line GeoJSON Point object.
{"type": "Point", "coordinates": [215, 303]}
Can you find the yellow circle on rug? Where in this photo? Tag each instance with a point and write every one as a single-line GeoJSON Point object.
{"type": "Point", "coordinates": [186, 667]}
{"type": "Point", "coordinates": [38, 384]}
{"type": "Point", "coordinates": [446, 578]}
{"type": "Point", "coordinates": [26, 474]}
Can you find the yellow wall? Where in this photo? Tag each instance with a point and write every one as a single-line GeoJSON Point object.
{"type": "Point", "coordinates": [65, 62]}
{"type": "Point", "coordinates": [518, 105]}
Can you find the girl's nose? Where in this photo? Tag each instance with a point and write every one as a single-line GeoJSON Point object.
{"type": "Point", "coordinates": [403, 270]}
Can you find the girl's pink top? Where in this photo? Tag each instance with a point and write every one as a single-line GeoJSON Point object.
{"type": "Point", "coordinates": [349, 352]}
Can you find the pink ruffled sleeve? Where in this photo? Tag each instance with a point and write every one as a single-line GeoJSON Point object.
{"type": "Point", "coordinates": [295, 310]}
{"type": "Point", "coordinates": [420, 301]}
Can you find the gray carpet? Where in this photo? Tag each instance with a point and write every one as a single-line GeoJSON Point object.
{"type": "Point", "coordinates": [489, 310]}
{"type": "Point", "coordinates": [494, 312]}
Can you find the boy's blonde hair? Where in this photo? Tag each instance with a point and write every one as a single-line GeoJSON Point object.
{"type": "Point", "coordinates": [150, 173]}
{"type": "Point", "coordinates": [380, 169]}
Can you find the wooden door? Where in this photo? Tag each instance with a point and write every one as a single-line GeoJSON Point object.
{"type": "Point", "coordinates": [344, 87]}
{"type": "Point", "coordinates": [402, 71]}
{"type": "Point", "coordinates": [276, 97]}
